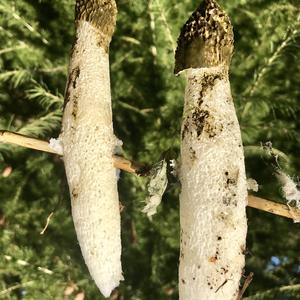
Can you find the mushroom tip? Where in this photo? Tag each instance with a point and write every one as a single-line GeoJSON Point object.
{"type": "Point", "coordinates": [206, 39]}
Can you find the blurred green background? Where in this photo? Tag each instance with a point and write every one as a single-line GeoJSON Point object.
{"type": "Point", "coordinates": [36, 37]}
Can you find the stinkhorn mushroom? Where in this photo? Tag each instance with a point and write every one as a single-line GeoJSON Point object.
{"type": "Point", "coordinates": [212, 172]}
{"type": "Point", "coordinates": [88, 144]}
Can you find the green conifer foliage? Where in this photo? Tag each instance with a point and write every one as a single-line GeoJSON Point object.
{"type": "Point", "coordinates": [36, 37]}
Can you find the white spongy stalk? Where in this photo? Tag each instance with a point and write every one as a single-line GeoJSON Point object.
{"type": "Point", "coordinates": [214, 190]}
{"type": "Point", "coordinates": [88, 142]}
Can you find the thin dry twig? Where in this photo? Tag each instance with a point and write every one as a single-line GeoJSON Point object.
{"type": "Point", "coordinates": [273, 207]}
{"type": "Point", "coordinates": [138, 169]}
{"type": "Point", "coordinates": [25, 141]}
{"type": "Point", "coordinates": [246, 284]}
{"type": "Point", "coordinates": [14, 138]}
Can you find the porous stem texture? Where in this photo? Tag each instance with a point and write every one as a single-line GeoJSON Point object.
{"type": "Point", "coordinates": [214, 190]}
{"type": "Point", "coordinates": [88, 142]}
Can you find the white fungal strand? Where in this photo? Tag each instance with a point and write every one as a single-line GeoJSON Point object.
{"type": "Point", "coordinates": [252, 185]}
{"type": "Point", "coordinates": [89, 143]}
{"type": "Point", "coordinates": [289, 188]}
{"type": "Point", "coordinates": [56, 145]}
{"type": "Point", "coordinates": [214, 190]}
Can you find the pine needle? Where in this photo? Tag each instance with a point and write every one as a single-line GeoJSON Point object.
{"type": "Point", "coordinates": [47, 224]}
